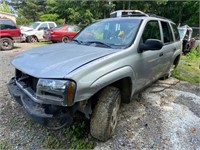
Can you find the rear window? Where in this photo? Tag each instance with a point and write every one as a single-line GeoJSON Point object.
{"type": "Point", "coordinates": [167, 33]}
{"type": "Point", "coordinates": [51, 25]}
{"type": "Point", "coordinates": [73, 28]}
{"type": "Point", "coordinates": [7, 24]}
{"type": "Point", "coordinates": [176, 33]}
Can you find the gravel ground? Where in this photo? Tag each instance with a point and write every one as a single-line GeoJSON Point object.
{"type": "Point", "coordinates": [164, 116]}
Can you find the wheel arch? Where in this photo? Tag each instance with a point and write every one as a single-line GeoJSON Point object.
{"type": "Point", "coordinates": [123, 82]}
{"type": "Point", "coordinates": [29, 36]}
{"type": "Point", "coordinates": [6, 37]}
{"type": "Point", "coordinates": [176, 60]}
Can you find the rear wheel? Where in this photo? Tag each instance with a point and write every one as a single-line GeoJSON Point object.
{"type": "Point", "coordinates": [32, 39]}
{"type": "Point", "coordinates": [6, 44]}
{"type": "Point", "coordinates": [65, 39]}
{"type": "Point", "coordinates": [104, 117]}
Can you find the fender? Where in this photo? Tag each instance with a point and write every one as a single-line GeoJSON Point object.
{"type": "Point", "coordinates": [112, 77]}
{"type": "Point", "coordinates": [28, 33]}
{"type": "Point", "coordinates": [6, 35]}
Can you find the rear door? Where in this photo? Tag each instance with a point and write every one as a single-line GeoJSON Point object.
{"type": "Point", "coordinates": [168, 48]}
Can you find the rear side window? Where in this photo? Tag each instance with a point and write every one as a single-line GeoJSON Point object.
{"type": "Point", "coordinates": [73, 28]}
{"type": "Point", "coordinates": [51, 25]}
{"type": "Point", "coordinates": [7, 24]}
{"type": "Point", "coordinates": [43, 26]}
{"type": "Point", "coordinates": [176, 33]}
{"type": "Point", "coordinates": [167, 32]}
{"type": "Point", "coordinates": [151, 31]}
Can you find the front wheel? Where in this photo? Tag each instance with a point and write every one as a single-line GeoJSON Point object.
{"type": "Point", "coordinates": [104, 117]}
{"type": "Point", "coordinates": [32, 39]}
{"type": "Point", "coordinates": [6, 44]}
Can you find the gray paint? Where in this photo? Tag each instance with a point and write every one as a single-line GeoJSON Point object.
{"type": "Point", "coordinates": [93, 68]}
{"type": "Point", "coordinates": [58, 60]}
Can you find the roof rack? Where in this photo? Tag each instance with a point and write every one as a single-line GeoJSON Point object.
{"type": "Point", "coordinates": [153, 15]}
{"type": "Point", "coordinates": [127, 13]}
{"type": "Point", "coordinates": [133, 13]}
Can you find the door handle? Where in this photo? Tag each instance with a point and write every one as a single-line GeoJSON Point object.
{"type": "Point", "coordinates": [161, 54]}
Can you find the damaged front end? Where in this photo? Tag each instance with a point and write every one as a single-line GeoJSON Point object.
{"type": "Point", "coordinates": [46, 105]}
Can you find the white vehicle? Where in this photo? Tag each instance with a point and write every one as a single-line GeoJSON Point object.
{"type": "Point", "coordinates": [35, 31]}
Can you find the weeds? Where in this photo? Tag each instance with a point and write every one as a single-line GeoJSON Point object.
{"type": "Point", "coordinates": [73, 137]}
{"type": "Point", "coordinates": [189, 67]}
{"type": "Point", "coordinates": [4, 144]}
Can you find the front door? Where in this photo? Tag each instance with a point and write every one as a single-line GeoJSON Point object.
{"type": "Point", "coordinates": [149, 65]}
{"type": "Point", "coordinates": [40, 30]}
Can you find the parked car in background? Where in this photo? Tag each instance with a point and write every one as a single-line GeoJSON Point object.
{"type": "Point", "coordinates": [61, 34]}
{"type": "Point", "coordinates": [9, 33]}
{"type": "Point", "coordinates": [35, 31]}
{"type": "Point", "coordinates": [188, 42]}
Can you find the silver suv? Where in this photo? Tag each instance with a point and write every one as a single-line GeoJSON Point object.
{"type": "Point", "coordinates": [104, 65]}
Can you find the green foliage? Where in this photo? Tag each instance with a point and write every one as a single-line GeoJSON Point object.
{"type": "Point", "coordinates": [73, 137]}
{"type": "Point", "coordinates": [84, 11]}
{"type": "Point", "coordinates": [49, 17]}
{"type": "Point", "coordinates": [78, 138]}
{"type": "Point", "coordinates": [4, 144]}
{"type": "Point", "coordinates": [194, 54]}
{"type": "Point", "coordinates": [5, 8]}
{"type": "Point", "coordinates": [188, 68]}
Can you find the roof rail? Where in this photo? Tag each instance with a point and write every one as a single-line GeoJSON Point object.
{"type": "Point", "coordinates": [153, 15]}
{"type": "Point", "coordinates": [127, 13]}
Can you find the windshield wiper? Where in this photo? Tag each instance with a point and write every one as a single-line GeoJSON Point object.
{"type": "Point", "coordinates": [77, 41]}
{"type": "Point", "coordinates": [101, 43]}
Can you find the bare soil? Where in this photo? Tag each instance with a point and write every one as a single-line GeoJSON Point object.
{"type": "Point", "coordinates": [164, 116]}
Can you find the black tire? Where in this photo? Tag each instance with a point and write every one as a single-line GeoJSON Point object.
{"type": "Point", "coordinates": [32, 39]}
{"type": "Point", "coordinates": [104, 117]}
{"type": "Point", "coordinates": [6, 44]}
{"type": "Point", "coordinates": [65, 39]}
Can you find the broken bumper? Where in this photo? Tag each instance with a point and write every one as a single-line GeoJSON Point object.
{"type": "Point", "coordinates": [51, 116]}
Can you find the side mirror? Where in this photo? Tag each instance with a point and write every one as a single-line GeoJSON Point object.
{"type": "Point", "coordinates": [150, 44]}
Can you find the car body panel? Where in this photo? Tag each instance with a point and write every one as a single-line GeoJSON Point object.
{"type": "Point", "coordinates": [29, 31]}
{"type": "Point", "coordinates": [56, 35]}
{"type": "Point", "coordinates": [14, 33]}
{"type": "Point", "coordinates": [64, 59]}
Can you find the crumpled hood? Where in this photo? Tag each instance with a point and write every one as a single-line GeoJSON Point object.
{"type": "Point", "coordinates": [24, 29]}
{"type": "Point", "coordinates": [57, 60]}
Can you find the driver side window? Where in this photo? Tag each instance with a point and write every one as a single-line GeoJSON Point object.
{"type": "Point", "coordinates": [43, 26]}
{"type": "Point", "coordinates": [151, 31]}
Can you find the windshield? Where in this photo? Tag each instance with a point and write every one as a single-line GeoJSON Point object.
{"type": "Point", "coordinates": [34, 25]}
{"type": "Point", "coordinates": [115, 33]}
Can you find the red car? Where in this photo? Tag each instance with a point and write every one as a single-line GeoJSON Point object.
{"type": "Point", "coordinates": [61, 34]}
{"type": "Point", "coordinates": [9, 33]}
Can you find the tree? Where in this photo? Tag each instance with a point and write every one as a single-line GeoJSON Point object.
{"type": "Point", "coordinates": [85, 11]}
{"type": "Point", "coordinates": [5, 8]}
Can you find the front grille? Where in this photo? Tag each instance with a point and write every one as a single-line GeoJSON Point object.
{"type": "Point", "coordinates": [26, 80]}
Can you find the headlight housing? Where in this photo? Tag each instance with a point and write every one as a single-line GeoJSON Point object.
{"type": "Point", "coordinates": [59, 92]}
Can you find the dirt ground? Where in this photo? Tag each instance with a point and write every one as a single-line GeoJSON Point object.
{"type": "Point", "coordinates": [164, 116]}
